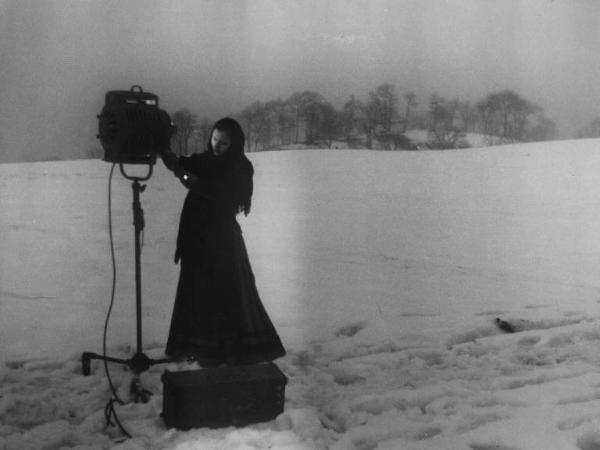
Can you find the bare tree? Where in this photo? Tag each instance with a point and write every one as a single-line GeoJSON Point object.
{"type": "Point", "coordinates": [259, 119]}
{"type": "Point", "coordinates": [247, 117]}
{"type": "Point", "coordinates": [542, 128]}
{"type": "Point", "coordinates": [283, 120]}
{"type": "Point", "coordinates": [384, 102]}
{"type": "Point", "coordinates": [467, 115]}
{"type": "Point", "coordinates": [486, 116]}
{"type": "Point", "coordinates": [591, 129]}
{"type": "Point", "coordinates": [185, 123]}
{"type": "Point", "coordinates": [438, 113]}
{"type": "Point", "coordinates": [350, 117]}
{"type": "Point", "coordinates": [330, 123]}
{"type": "Point", "coordinates": [200, 136]}
{"type": "Point", "coordinates": [443, 132]}
{"type": "Point", "coordinates": [263, 127]}
{"type": "Point", "coordinates": [506, 114]}
{"type": "Point", "coordinates": [304, 112]}
{"type": "Point", "coordinates": [369, 120]}
{"type": "Point", "coordinates": [410, 101]}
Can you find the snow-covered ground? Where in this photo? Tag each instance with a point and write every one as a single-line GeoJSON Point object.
{"type": "Point", "coordinates": [382, 271]}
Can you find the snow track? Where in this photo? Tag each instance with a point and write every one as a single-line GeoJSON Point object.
{"type": "Point", "coordinates": [346, 392]}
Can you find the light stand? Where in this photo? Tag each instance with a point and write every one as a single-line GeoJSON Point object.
{"type": "Point", "coordinates": [139, 362]}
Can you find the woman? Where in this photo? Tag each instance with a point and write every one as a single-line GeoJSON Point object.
{"type": "Point", "coordinates": [218, 317]}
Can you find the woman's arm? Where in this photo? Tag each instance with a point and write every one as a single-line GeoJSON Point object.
{"type": "Point", "coordinates": [172, 162]}
{"type": "Point", "coordinates": [187, 178]}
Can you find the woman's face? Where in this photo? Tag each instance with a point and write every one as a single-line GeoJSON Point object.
{"type": "Point", "coordinates": [220, 141]}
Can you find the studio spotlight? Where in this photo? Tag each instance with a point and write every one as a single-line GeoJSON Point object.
{"type": "Point", "coordinates": [132, 128]}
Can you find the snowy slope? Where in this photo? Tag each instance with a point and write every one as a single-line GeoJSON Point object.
{"type": "Point", "coordinates": [383, 272]}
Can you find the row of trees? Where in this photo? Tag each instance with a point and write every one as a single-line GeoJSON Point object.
{"type": "Point", "coordinates": [381, 120]}
{"type": "Point", "coordinates": [590, 130]}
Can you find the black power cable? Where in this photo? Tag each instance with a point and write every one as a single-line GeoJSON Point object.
{"type": "Point", "coordinates": [110, 411]}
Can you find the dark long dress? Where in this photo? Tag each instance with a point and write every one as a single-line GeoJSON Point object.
{"type": "Point", "coordinates": [218, 316]}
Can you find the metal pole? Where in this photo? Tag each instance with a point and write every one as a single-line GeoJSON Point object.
{"type": "Point", "coordinates": [138, 223]}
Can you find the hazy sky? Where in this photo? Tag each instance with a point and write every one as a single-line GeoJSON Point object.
{"type": "Point", "coordinates": [59, 57]}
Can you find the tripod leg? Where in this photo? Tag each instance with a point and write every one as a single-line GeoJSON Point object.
{"type": "Point", "coordinates": [86, 358]}
{"type": "Point", "coordinates": [85, 363]}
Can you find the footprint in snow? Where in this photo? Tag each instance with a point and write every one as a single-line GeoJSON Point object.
{"type": "Point", "coordinates": [590, 441]}
{"type": "Point", "coordinates": [572, 423]}
{"type": "Point", "coordinates": [529, 341]}
{"type": "Point", "coordinates": [351, 329]}
{"type": "Point", "coordinates": [518, 325]}
{"type": "Point", "coordinates": [505, 325]}
{"type": "Point", "coordinates": [491, 446]}
{"type": "Point", "coordinates": [347, 378]}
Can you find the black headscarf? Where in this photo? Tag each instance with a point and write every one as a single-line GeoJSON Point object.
{"type": "Point", "coordinates": [234, 162]}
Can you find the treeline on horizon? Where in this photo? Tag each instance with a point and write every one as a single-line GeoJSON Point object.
{"type": "Point", "coordinates": [306, 119]}
{"type": "Point", "coordinates": [380, 121]}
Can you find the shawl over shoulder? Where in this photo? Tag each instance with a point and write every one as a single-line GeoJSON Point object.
{"type": "Point", "coordinates": [226, 178]}
{"type": "Point", "coordinates": [224, 189]}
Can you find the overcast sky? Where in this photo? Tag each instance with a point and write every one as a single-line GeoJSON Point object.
{"type": "Point", "coordinates": [59, 57]}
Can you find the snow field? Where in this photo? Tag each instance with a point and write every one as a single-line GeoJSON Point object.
{"type": "Point", "coordinates": [384, 273]}
{"type": "Point", "coordinates": [519, 390]}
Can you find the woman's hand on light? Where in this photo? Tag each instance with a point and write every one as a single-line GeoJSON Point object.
{"type": "Point", "coordinates": [188, 179]}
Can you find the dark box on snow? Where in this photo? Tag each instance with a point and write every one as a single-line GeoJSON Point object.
{"type": "Point", "coordinates": [224, 396]}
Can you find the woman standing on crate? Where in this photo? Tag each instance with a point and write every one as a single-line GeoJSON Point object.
{"type": "Point", "coordinates": [218, 317]}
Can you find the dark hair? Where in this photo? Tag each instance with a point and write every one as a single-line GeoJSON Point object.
{"type": "Point", "coordinates": [234, 131]}
{"type": "Point", "coordinates": [234, 162]}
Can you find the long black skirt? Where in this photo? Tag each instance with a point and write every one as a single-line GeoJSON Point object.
{"type": "Point", "coordinates": [218, 317]}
